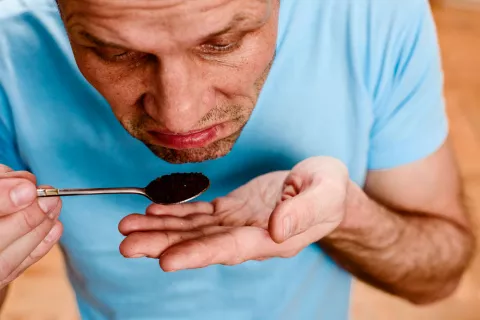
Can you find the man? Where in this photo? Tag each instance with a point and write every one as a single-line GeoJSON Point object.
{"type": "Point", "coordinates": [320, 124]}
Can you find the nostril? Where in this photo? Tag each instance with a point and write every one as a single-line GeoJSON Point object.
{"type": "Point", "coordinates": [147, 103]}
{"type": "Point", "coordinates": [145, 99]}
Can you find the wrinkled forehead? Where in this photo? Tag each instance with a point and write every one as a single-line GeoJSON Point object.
{"type": "Point", "coordinates": [184, 20]}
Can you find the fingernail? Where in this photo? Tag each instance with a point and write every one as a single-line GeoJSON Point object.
{"type": "Point", "coordinates": [287, 227]}
{"type": "Point", "coordinates": [47, 205]}
{"type": "Point", "coordinates": [22, 194]}
{"type": "Point", "coordinates": [138, 255]}
{"type": "Point", "coordinates": [52, 234]}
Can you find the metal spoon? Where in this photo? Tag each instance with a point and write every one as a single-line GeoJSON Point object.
{"type": "Point", "coordinates": [168, 189]}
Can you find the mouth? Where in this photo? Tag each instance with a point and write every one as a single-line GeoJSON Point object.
{"type": "Point", "coordinates": [189, 140]}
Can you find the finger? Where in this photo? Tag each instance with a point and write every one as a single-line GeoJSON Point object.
{"type": "Point", "coordinates": [314, 193]}
{"type": "Point", "coordinates": [41, 250]}
{"type": "Point", "coordinates": [229, 247]}
{"type": "Point", "coordinates": [18, 224]}
{"type": "Point", "coordinates": [294, 216]}
{"type": "Point", "coordinates": [51, 206]}
{"type": "Point", "coordinates": [16, 194]}
{"type": "Point", "coordinates": [4, 169]}
{"type": "Point", "coordinates": [320, 204]}
{"type": "Point", "coordinates": [152, 244]}
{"type": "Point", "coordinates": [139, 222]}
{"type": "Point", "coordinates": [181, 210]}
{"type": "Point", "coordinates": [15, 254]}
{"type": "Point", "coordinates": [19, 174]}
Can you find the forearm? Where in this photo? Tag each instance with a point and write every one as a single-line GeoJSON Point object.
{"type": "Point", "coordinates": [3, 296]}
{"type": "Point", "coordinates": [417, 256]}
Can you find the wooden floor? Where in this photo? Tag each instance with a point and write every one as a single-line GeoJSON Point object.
{"type": "Point", "coordinates": [42, 293]}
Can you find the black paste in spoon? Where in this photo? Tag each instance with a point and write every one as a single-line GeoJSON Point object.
{"type": "Point", "coordinates": [177, 187]}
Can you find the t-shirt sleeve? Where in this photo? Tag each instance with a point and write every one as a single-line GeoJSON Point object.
{"type": "Point", "coordinates": [410, 122]}
{"type": "Point", "coordinates": [8, 151]}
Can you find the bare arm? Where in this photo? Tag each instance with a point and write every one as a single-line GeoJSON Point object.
{"type": "Point", "coordinates": [408, 233]}
{"type": "Point", "coordinates": [3, 296]}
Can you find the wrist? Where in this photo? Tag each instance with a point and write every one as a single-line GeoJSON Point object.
{"type": "Point", "coordinates": [356, 218]}
{"type": "Point", "coordinates": [355, 202]}
{"type": "Point", "coordinates": [365, 222]}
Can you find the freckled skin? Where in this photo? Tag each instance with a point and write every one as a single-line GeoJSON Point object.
{"type": "Point", "coordinates": [163, 70]}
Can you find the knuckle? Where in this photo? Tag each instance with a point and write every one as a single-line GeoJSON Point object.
{"type": "Point", "coordinates": [166, 224]}
{"type": "Point", "coordinates": [194, 222]}
{"type": "Point", "coordinates": [29, 222]}
{"type": "Point", "coordinates": [199, 221]}
{"type": "Point", "coordinates": [41, 231]}
{"type": "Point", "coordinates": [35, 255]}
{"type": "Point", "coordinates": [167, 239]}
{"type": "Point", "coordinates": [238, 254]}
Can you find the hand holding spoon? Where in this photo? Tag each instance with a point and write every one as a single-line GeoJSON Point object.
{"type": "Point", "coordinates": [168, 189]}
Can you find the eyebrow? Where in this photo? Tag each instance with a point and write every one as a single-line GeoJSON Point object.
{"type": "Point", "coordinates": [237, 19]}
{"type": "Point", "coordinates": [99, 42]}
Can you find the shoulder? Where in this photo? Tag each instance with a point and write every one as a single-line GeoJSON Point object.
{"type": "Point", "coordinates": [380, 21]}
{"type": "Point", "coordinates": [28, 29]}
{"type": "Point", "coordinates": [395, 21]}
{"type": "Point", "coordinates": [390, 38]}
{"type": "Point", "coordinates": [360, 29]}
{"type": "Point", "coordinates": [15, 9]}
{"type": "Point", "coordinates": [19, 18]}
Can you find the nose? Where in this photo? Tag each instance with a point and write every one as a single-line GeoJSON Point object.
{"type": "Point", "coordinates": [179, 98]}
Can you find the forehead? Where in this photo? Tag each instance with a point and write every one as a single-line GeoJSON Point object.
{"type": "Point", "coordinates": [179, 19]}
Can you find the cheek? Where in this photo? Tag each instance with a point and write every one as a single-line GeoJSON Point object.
{"type": "Point", "coordinates": [119, 85]}
{"type": "Point", "coordinates": [242, 79]}
{"type": "Point", "coordinates": [242, 76]}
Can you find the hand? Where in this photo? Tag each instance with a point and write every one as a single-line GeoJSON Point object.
{"type": "Point", "coordinates": [274, 215]}
{"type": "Point", "coordinates": [28, 227]}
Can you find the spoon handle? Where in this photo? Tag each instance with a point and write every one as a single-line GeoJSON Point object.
{"type": "Point", "coordinates": [75, 192]}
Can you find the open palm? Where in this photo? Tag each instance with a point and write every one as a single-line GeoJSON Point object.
{"type": "Point", "coordinates": [248, 224]}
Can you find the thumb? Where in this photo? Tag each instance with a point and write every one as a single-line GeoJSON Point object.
{"type": "Point", "coordinates": [16, 194]}
{"type": "Point", "coordinates": [295, 215]}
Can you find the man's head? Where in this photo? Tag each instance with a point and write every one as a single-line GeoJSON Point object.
{"type": "Point", "coordinates": [183, 76]}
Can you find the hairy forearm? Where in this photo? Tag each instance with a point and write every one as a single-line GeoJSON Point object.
{"type": "Point", "coordinates": [418, 256]}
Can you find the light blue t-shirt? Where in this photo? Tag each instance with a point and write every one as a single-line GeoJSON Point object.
{"type": "Point", "coordinates": [359, 80]}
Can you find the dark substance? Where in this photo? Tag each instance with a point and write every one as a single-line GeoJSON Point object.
{"type": "Point", "coordinates": [177, 187]}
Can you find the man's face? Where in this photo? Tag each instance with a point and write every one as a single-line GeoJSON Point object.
{"type": "Point", "coordinates": [183, 76]}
